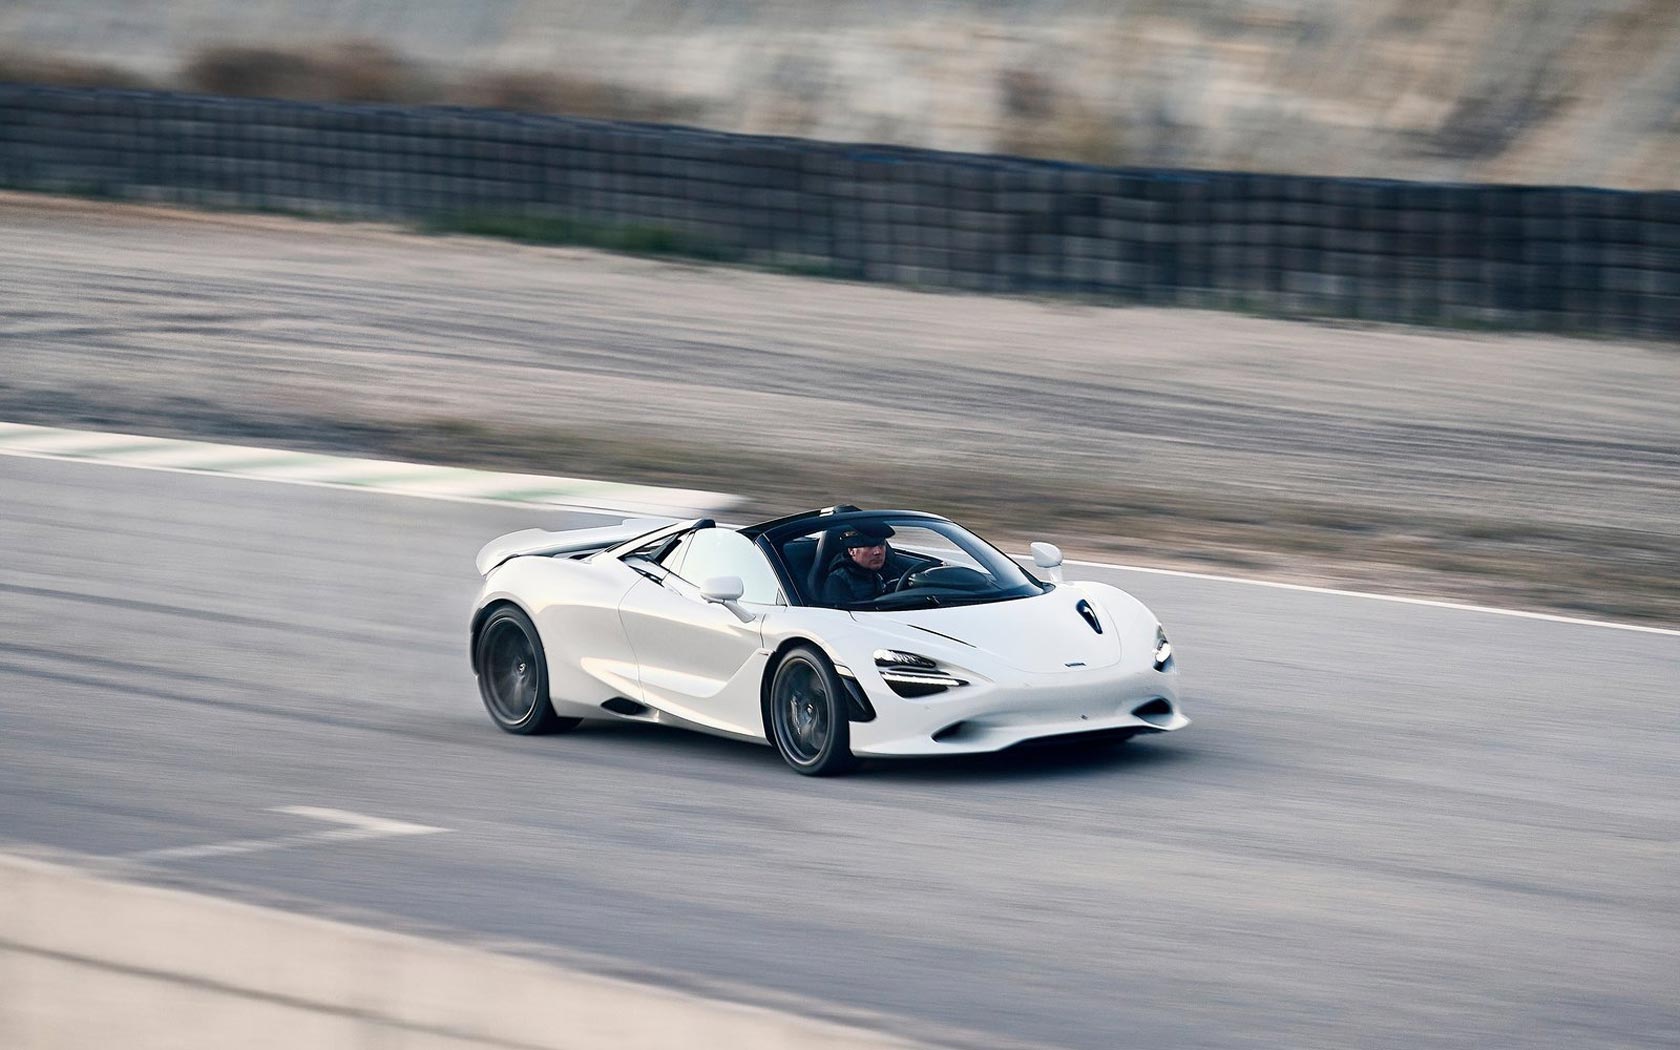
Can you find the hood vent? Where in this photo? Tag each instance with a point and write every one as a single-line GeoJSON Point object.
{"type": "Point", "coordinates": [1086, 610]}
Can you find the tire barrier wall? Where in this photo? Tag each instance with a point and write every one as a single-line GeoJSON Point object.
{"type": "Point", "coordinates": [1571, 259]}
{"type": "Point", "coordinates": [92, 962]}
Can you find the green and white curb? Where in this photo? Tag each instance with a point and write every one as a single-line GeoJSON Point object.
{"type": "Point", "coordinates": [424, 480]}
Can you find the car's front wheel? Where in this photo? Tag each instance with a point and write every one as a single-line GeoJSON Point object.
{"type": "Point", "coordinates": [513, 675]}
{"type": "Point", "coordinates": [808, 714]}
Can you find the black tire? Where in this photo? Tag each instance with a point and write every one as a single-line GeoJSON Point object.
{"type": "Point", "coordinates": [513, 675]}
{"type": "Point", "coordinates": [807, 714]}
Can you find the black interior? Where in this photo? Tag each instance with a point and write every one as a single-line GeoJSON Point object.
{"type": "Point", "coordinates": [800, 557]}
{"type": "Point", "coordinates": [828, 545]}
{"type": "Point", "coordinates": [951, 577]}
{"type": "Point", "coordinates": [807, 557]}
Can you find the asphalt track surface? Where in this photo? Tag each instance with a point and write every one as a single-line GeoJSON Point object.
{"type": "Point", "coordinates": [1390, 826]}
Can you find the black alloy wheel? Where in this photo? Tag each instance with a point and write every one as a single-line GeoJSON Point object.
{"type": "Point", "coordinates": [808, 714]}
{"type": "Point", "coordinates": [513, 675]}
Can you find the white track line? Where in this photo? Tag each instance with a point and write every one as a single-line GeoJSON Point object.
{"type": "Point", "coordinates": [616, 507]}
{"type": "Point", "coordinates": [45, 443]}
{"type": "Point", "coordinates": [318, 470]}
{"type": "Point", "coordinates": [357, 828]}
{"type": "Point", "coordinates": [1434, 603]}
{"type": "Point", "coordinates": [198, 459]}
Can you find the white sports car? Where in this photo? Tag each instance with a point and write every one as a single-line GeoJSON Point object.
{"type": "Point", "coordinates": [828, 634]}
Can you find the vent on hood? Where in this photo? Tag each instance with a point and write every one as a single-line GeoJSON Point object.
{"type": "Point", "coordinates": [1090, 614]}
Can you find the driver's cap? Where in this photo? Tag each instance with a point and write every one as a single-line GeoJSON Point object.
{"type": "Point", "coordinates": [868, 534]}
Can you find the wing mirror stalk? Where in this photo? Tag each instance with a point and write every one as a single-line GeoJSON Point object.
{"type": "Point", "coordinates": [726, 591]}
{"type": "Point", "coordinates": [1048, 557]}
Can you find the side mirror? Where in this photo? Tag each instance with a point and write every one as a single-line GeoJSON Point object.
{"type": "Point", "coordinates": [1048, 557]}
{"type": "Point", "coordinates": [726, 591]}
{"type": "Point", "coordinates": [723, 589]}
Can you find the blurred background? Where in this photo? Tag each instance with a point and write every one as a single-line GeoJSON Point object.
{"type": "Point", "coordinates": [1531, 91]}
{"type": "Point", "coordinates": [1359, 296]}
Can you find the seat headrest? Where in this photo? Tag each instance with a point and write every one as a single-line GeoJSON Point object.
{"type": "Point", "coordinates": [828, 544]}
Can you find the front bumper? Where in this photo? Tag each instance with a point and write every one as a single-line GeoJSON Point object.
{"type": "Point", "coordinates": [990, 716]}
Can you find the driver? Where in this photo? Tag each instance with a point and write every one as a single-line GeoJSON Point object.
{"type": "Point", "coordinates": [866, 568]}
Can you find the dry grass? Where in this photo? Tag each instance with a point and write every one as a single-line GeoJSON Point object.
{"type": "Point", "coordinates": [349, 72]}
{"type": "Point", "coordinates": [531, 91]}
{"type": "Point", "coordinates": [630, 238]}
{"type": "Point", "coordinates": [1039, 119]}
{"type": "Point", "coordinates": [364, 71]}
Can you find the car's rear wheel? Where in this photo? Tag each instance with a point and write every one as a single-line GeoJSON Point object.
{"type": "Point", "coordinates": [513, 675]}
{"type": "Point", "coordinates": [808, 714]}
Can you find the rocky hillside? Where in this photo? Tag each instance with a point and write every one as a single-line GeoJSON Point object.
{"type": "Point", "coordinates": [1557, 91]}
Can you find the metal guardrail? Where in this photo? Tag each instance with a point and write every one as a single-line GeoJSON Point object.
{"type": "Point", "coordinates": [1574, 259]}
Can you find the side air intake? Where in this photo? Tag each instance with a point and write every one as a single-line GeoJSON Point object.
{"type": "Point", "coordinates": [953, 731]}
{"type": "Point", "coordinates": [1158, 711]}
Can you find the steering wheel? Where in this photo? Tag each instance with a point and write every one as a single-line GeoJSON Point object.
{"type": "Point", "coordinates": [904, 577]}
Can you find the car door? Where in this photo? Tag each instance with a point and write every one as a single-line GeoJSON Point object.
{"type": "Point", "coordinates": [697, 659]}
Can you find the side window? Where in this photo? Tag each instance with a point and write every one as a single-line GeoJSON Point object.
{"type": "Point", "coordinates": [724, 552]}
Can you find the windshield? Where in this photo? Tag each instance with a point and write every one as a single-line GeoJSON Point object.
{"type": "Point", "coordinates": [882, 562]}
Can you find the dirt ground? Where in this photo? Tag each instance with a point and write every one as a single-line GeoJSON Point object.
{"type": "Point", "coordinates": [1535, 471]}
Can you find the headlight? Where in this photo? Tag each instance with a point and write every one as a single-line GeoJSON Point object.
{"type": "Point", "coordinates": [912, 675]}
{"type": "Point", "coordinates": [899, 658]}
{"type": "Point", "coordinates": [1163, 648]}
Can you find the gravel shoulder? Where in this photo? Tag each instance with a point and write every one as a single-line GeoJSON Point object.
{"type": "Point", "coordinates": [1527, 470]}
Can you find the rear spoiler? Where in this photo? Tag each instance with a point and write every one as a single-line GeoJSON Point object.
{"type": "Point", "coordinates": [543, 543]}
